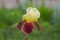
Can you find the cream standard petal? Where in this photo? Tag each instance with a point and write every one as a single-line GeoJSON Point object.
{"type": "Point", "coordinates": [32, 14]}
{"type": "Point", "coordinates": [33, 11]}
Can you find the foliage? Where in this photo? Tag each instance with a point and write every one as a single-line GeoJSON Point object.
{"type": "Point", "coordinates": [46, 12]}
{"type": "Point", "coordinates": [12, 17]}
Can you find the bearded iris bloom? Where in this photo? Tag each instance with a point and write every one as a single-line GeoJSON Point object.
{"type": "Point", "coordinates": [29, 20]}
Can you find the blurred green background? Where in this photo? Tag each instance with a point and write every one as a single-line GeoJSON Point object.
{"type": "Point", "coordinates": [49, 21]}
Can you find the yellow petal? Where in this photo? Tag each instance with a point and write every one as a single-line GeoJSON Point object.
{"type": "Point", "coordinates": [33, 11]}
{"type": "Point", "coordinates": [32, 14]}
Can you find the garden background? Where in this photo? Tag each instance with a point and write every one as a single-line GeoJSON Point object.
{"type": "Point", "coordinates": [11, 12]}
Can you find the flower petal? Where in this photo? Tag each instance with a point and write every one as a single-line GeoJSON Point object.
{"type": "Point", "coordinates": [38, 26]}
{"type": "Point", "coordinates": [28, 27]}
{"type": "Point", "coordinates": [19, 26]}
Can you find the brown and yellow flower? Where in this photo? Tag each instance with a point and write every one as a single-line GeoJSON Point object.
{"type": "Point", "coordinates": [29, 20]}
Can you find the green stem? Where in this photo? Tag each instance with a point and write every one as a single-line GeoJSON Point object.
{"type": "Point", "coordinates": [26, 36]}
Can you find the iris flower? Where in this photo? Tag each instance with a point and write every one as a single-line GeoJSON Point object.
{"type": "Point", "coordinates": [29, 21]}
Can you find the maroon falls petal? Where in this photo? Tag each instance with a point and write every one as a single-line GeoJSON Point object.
{"type": "Point", "coordinates": [28, 27]}
{"type": "Point", "coordinates": [37, 25]}
{"type": "Point", "coordinates": [19, 26]}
